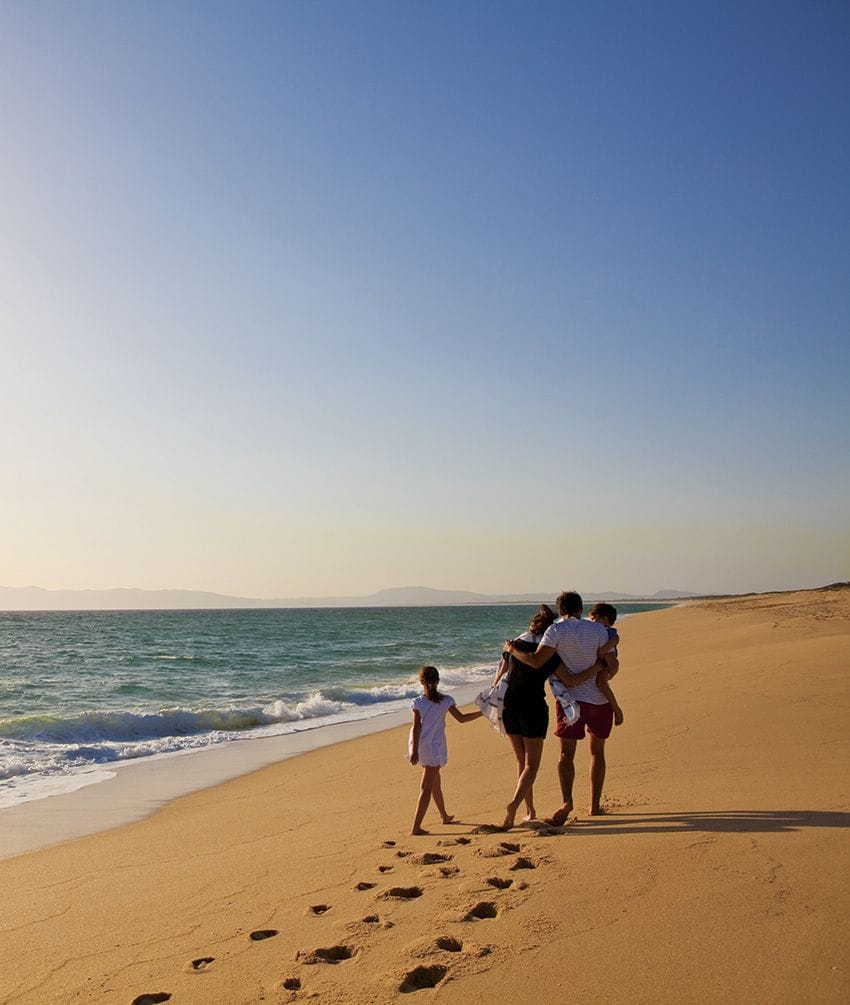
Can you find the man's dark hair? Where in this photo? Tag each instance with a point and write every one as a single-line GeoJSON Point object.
{"type": "Point", "coordinates": [569, 604]}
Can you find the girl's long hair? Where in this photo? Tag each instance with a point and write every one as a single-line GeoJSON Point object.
{"type": "Point", "coordinates": [429, 678]}
{"type": "Point", "coordinates": [542, 619]}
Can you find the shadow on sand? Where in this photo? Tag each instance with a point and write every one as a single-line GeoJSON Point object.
{"type": "Point", "coordinates": [727, 822]}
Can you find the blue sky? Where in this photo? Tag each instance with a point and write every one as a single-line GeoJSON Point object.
{"type": "Point", "coordinates": [319, 298]}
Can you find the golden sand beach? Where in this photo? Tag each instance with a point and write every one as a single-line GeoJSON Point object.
{"type": "Point", "coordinates": [719, 872]}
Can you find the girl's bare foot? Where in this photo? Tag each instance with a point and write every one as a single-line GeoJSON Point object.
{"type": "Point", "coordinates": [419, 830]}
{"type": "Point", "coordinates": [447, 819]}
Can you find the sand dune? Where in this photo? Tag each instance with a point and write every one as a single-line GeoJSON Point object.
{"type": "Point", "coordinates": [720, 870]}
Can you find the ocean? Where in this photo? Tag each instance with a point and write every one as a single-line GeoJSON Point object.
{"type": "Point", "coordinates": [83, 690]}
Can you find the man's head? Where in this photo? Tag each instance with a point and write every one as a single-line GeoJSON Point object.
{"type": "Point", "coordinates": [569, 604]}
{"type": "Point", "coordinates": [605, 614]}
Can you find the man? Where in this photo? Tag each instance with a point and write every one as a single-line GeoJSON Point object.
{"type": "Point", "coordinates": [580, 644]}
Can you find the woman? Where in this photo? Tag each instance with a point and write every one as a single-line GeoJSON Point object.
{"type": "Point", "coordinates": [526, 713]}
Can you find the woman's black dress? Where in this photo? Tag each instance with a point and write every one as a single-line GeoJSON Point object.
{"type": "Point", "coordinates": [526, 711]}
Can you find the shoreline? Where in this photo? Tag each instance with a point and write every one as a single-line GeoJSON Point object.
{"type": "Point", "coordinates": [133, 790]}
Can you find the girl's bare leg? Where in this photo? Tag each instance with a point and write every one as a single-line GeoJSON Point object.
{"type": "Point", "coordinates": [525, 782]}
{"type": "Point", "coordinates": [424, 800]}
{"type": "Point", "coordinates": [437, 793]}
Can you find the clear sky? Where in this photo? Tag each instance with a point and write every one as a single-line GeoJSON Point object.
{"type": "Point", "coordinates": [310, 298]}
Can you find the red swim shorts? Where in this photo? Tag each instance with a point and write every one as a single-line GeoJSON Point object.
{"type": "Point", "coordinates": [599, 720]}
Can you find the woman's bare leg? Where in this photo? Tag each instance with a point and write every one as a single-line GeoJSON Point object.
{"type": "Point", "coordinates": [525, 783]}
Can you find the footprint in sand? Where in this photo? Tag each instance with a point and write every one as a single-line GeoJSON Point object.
{"type": "Point", "coordinates": [263, 933]}
{"type": "Point", "coordinates": [448, 842]}
{"type": "Point", "coordinates": [292, 984]}
{"type": "Point", "coordinates": [402, 853]}
{"type": "Point", "coordinates": [331, 954]}
{"type": "Point", "coordinates": [421, 978]}
{"type": "Point", "coordinates": [154, 999]}
{"type": "Point", "coordinates": [202, 963]}
{"type": "Point", "coordinates": [432, 858]}
{"type": "Point", "coordinates": [502, 848]}
{"type": "Point", "coordinates": [498, 882]}
{"type": "Point", "coordinates": [402, 893]}
{"type": "Point", "coordinates": [318, 909]}
{"type": "Point", "coordinates": [365, 886]}
{"type": "Point", "coordinates": [448, 944]}
{"type": "Point", "coordinates": [523, 863]}
{"type": "Point", "coordinates": [481, 911]}
{"type": "Point", "coordinates": [387, 844]}
{"type": "Point", "coordinates": [385, 868]}
{"type": "Point", "coordinates": [447, 871]}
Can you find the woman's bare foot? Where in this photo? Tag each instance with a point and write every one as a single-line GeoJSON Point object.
{"type": "Point", "coordinates": [531, 815]}
{"type": "Point", "coordinates": [510, 816]}
{"type": "Point", "coordinates": [597, 811]}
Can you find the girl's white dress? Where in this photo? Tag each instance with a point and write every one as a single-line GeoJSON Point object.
{"type": "Point", "coordinates": [433, 751]}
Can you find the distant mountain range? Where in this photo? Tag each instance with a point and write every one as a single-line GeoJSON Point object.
{"type": "Point", "coordinates": [34, 598]}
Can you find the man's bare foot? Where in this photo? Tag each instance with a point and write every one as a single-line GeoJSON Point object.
{"type": "Point", "coordinates": [419, 831]}
{"type": "Point", "coordinates": [559, 817]}
{"type": "Point", "coordinates": [447, 819]}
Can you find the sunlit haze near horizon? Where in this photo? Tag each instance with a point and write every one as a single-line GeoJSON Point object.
{"type": "Point", "coordinates": [318, 298]}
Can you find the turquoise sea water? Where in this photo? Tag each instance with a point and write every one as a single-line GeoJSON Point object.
{"type": "Point", "coordinates": [79, 689]}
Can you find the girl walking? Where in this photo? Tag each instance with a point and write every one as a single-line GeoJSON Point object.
{"type": "Point", "coordinates": [428, 742]}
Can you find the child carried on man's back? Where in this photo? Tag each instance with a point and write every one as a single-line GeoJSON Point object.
{"type": "Point", "coordinates": [606, 615]}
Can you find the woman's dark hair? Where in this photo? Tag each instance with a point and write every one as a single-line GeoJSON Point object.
{"type": "Point", "coordinates": [541, 620]}
{"type": "Point", "coordinates": [429, 678]}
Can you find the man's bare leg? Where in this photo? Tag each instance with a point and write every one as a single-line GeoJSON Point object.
{"type": "Point", "coordinates": [566, 776]}
{"type": "Point", "coordinates": [597, 775]}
